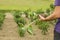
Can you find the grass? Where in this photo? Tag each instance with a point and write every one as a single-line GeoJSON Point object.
{"type": "Point", "coordinates": [24, 4]}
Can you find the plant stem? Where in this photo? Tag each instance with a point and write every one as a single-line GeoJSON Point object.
{"type": "Point", "coordinates": [26, 26]}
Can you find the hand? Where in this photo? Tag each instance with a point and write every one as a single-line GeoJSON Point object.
{"type": "Point", "coordinates": [42, 18]}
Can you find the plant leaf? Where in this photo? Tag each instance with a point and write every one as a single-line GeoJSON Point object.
{"type": "Point", "coordinates": [30, 30]}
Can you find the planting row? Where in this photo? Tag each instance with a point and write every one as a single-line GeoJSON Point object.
{"type": "Point", "coordinates": [2, 17]}
{"type": "Point", "coordinates": [26, 18]}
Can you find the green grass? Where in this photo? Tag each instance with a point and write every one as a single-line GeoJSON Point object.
{"type": "Point", "coordinates": [24, 4]}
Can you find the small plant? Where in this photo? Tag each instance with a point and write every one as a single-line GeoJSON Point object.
{"type": "Point", "coordinates": [43, 26]}
{"type": "Point", "coordinates": [39, 11]}
{"type": "Point", "coordinates": [47, 10]}
{"type": "Point", "coordinates": [52, 6]}
{"type": "Point", "coordinates": [2, 17]}
{"type": "Point", "coordinates": [22, 31]}
{"type": "Point", "coordinates": [30, 30]}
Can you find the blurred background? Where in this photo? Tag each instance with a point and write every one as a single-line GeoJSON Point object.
{"type": "Point", "coordinates": [24, 4]}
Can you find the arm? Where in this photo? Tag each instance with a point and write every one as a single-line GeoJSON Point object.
{"type": "Point", "coordinates": [54, 15]}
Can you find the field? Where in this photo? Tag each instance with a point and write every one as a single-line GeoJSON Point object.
{"type": "Point", "coordinates": [19, 20]}
{"type": "Point", "coordinates": [11, 30]}
{"type": "Point", "coordinates": [24, 4]}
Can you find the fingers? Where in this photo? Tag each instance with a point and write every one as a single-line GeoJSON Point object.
{"type": "Point", "coordinates": [41, 16]}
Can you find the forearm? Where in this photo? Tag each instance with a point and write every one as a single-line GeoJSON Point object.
{"type": "Point", "coordinates": [54, 15]}
{"type": "Point", "coordinates": [51, 17]}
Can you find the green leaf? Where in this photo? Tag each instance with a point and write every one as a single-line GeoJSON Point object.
{"type": "Point", "coordinates": [30, 30]}
{"type": "Point", "coordinates": [22, 31]}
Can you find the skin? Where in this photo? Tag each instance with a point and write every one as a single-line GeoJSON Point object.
{"type": "Point", "coordinates": [54, 15]}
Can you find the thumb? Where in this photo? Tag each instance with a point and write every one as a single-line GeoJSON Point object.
{"type": "Point", "coordinates": [41, 16]}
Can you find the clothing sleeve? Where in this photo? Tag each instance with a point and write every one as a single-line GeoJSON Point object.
{"type": "Point", "coordinates": [57, 2]}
